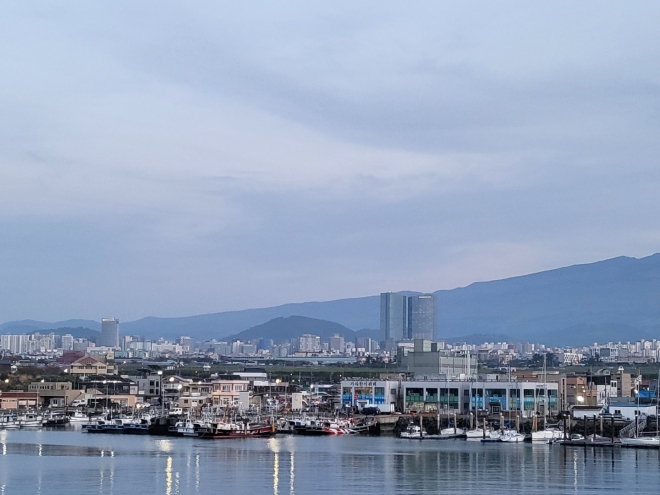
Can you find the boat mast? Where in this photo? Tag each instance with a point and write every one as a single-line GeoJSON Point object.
{"type": "Point", "coordinates": [546, 402]}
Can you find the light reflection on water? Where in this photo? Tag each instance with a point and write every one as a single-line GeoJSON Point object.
{"type": "Point", "coordinates": [114, 465]}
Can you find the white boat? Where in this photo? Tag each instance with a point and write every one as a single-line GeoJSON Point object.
{"type": "Point", "coordinates": [550, 434]}
{"type": "Point", "coordinates": [79, 417]}
{"type": "Point", "coordinates": [478, 434]}
{"type": "Point", "coordinates": [512, 437]}
{"type": "Point", "coordinates": [642, 442]}
{"type": "Point", "coordinates": [414, 432]}
{"type": "Point", "coordinates": [9, 422]}
{"type": "Point", "coordinates": [31, 420]}
{"type": "Point", "coordinates": [452, 432]}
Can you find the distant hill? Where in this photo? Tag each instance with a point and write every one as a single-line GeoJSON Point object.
{"type": "Point", "coordinates": [363, 312]}
{"type": "Point", "coordinates": [616, 299]}
{"type": "Point", "coordinates": [30, 326]}
{"type": "Point", "coordinates": [290, 327]}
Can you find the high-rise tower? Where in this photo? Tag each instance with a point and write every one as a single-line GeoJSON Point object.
{"type": "Point", "coordinates": [421, 317]}
{"type": "Point", "coordinates": [393, 316]}
{"type": "Point", "coordinates": [109, 332]}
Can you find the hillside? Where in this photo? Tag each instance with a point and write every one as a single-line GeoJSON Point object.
{"type": "Point", "coordinates": [616, 299]}
{"type": "Point", "coordinates": [355, 313]}
{"type": "Point", "coordinates": [285, 328]}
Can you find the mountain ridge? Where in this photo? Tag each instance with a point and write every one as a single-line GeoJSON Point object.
{"type": "Point", "coordinates": [609, 297]}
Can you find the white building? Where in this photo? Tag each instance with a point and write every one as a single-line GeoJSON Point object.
{"type": "Point", "coordinates": [309, 343]}
{"type": "Point", "coordinates": [459, 396]}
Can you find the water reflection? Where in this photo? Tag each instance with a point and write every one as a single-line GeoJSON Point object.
{"type": "Point", "coordinates": [168, 476]}
{"type": "Point", "coordinates": [314, 465]}
{"type": "Point", "coordinates": [276, 473]}
{"type": "Point", "coordinates": [292, 474]}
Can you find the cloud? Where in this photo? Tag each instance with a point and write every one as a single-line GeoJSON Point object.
{"type": "Point", "coordinates": [210, 156]}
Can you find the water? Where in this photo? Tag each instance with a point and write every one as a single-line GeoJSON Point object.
{"type": "Point", "coordinates": [66, 462]}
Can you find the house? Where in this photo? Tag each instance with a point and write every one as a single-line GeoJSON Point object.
{"type": "Point", "coordinates": [89, 365]}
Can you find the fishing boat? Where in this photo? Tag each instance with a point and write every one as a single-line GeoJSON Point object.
{"type": "Point", "coordinates": [216, 431]}
{"type": "Point", "coordinates": [31, 420]}
{"type": "Point", "coordinates": [79, 417]}
{"type": "Point", "coordinates": [139, 426]}
{"type": "Point", "coordinates": [188, 428]}
{"type": "Point", "coordinates": [56, 419]}
{"type": "Point", "coordinates": [414, 432]}
{"type": "Point", "coordinates": [9, 422]}
{"type": "Point", "coordinates": [321, 427]}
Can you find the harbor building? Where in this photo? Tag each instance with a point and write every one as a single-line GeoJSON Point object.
{"type": "Point", "coordinates": [428, 359]}
{"type": "Point", "coordinates": [363, 393]}
{"type": "Point", "coordinates": [393, 316]}
{"type": "Point", "coordinates": [421, 317]}
{"type": "Point", "coordinates": [460, 396]}
{"type": "Point", "coordinates": [109, 333]}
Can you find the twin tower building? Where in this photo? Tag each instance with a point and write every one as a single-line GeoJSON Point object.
{"type": "Point", "coordinates": [407, 317]}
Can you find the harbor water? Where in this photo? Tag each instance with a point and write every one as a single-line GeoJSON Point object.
{"type": "Point", "coordinates": [66, 462]}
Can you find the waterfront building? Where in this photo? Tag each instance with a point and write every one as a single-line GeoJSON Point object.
{"type": "Point", "coordinates": [18, 400]}
{"type": "Point", "coordinates": [225, 392]}
{"type": "Point", "coordinates": [430, 359]}
{"type": "Point", "coordinates": [109, 332]}
{"type": "Point", "coordinates": [363, 393]}
{"type": "Point", "coordinates": [630, 409]}
{"type": "Point", "coordinates": [393, 316]}
{"type": "Point", "coordinates": [421, 317]}
{"type": "Point", "coordinates": [54, 394]}
{"type": "Point", "coordinates": [459, 396]}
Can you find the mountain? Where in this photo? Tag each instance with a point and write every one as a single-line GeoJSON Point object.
{"type": "Point", "coordinates": [290, 327]}
{"type": "Point", "coordinates": [30, 326]}
{"type": "Point", "coordinates": [616, 299]}
{"type": "Point", "coordinates": [363, 312]}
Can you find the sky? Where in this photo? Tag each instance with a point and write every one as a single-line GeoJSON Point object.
{"type": "Point", "coordinates": [178, 158]}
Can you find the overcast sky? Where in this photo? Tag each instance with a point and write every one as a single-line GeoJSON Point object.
{"type": "Point", "coordinates": [177, 158]}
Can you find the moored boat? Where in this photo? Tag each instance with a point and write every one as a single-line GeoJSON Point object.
{"type": "Point", "coordinates": [9, 422]}
{"type": "Point", "coordinates": [30, 420]}
{"type": "Point", "coordinates": [216, 431]}
{"type": "Point", "coordinates": [512, 436]}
